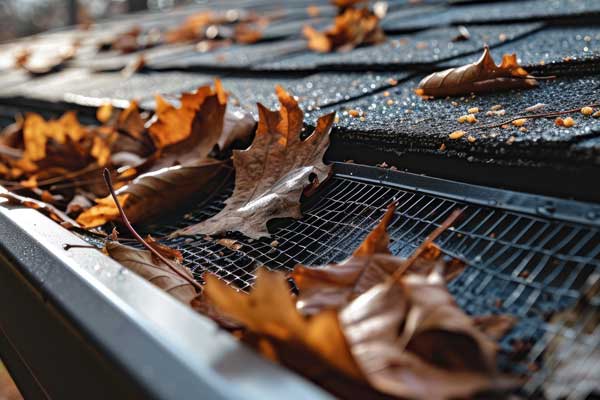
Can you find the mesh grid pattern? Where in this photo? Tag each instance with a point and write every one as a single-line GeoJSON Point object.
{"type": "Point", "coordinates": [525, 265]}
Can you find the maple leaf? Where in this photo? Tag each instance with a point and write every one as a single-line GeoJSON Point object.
{"type": "Point", "coordinates": [272, 173]}
{"type": "Point", "coordinates": [159, 192]}
{"type": "Point", "coordinates": [352, 28]}
{"type": "Point", "coordinates": [171, 124]}
{"type": "Point", "coordinates": [257, 313]}
{"type": "Point", "coordinates": [334, 285]}
{"type": "Point", "coordinates": [481, 76]}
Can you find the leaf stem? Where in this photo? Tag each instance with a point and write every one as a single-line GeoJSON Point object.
{"type": "Point", "coordinates": [109, 184]}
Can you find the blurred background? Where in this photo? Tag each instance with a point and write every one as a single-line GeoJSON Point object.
{"type": "Point", "coordinates": [25, 17]}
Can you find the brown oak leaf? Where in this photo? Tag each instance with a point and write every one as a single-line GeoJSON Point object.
{"type": "Point", "coordinates": [352, 28]}
{"type": "Point", "coordinates": [37, 131]}
{"type": "Point", "coordinates": [481, 76]}
{"type": "Point", "coordinates": [272, 173]}
{"type": "Point", "coordinates": [334, 285]}
{"type": "Point", "coordinates": [410, 340]}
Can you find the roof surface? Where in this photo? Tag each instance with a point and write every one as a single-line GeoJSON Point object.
{"type": "Point", "coordinates": [550, 37]}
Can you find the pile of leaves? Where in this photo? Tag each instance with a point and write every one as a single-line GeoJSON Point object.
{"type": "Point", "coordinates": [375, 325]}
{"type": "Point", "coordinates": [156, 159]}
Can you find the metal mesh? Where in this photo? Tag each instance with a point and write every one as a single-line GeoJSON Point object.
{"type": "Point", "coordinates": [525, 265]}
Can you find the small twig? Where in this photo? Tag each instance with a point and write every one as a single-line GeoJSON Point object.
{"type": "Point", "coordinates": [108, 180]}
{"type": "Point", "coordinates": [535, 116]}
{"type": "Point", "coordinates": [428, 240]}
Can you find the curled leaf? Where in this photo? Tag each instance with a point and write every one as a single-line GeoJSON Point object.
{"type": "Point", "coordinates": [481, 76]}
{"type": "Point", "coordinates": [283, 322]}
{"type": "Point", "coordinates": [352, 28]}
{"type": "Point", "coordinates": [335, 285]}
{"type": "Point", "coordinates": [272, 173]}
{"type": "Point", "coordinates": [157, 193]}
{"type": "Point", "coordinates": [45, 208]}
{"type": "Point", "coordinates": [172, 124]}
{"type": "Point", "coordinates": [410, 340]}
{"type": "Point", "coordinates": [155, 271]}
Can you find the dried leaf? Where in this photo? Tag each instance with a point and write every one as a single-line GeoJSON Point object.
{"type": "Point", "coordinates": [104, 112]}
{"type": "Point", "coordinates": [257, 313]}
{"type": "Point", "coordinates": [166, 251]}
{"type": "Point", "coordinates": [247, 33]}
{"type": "Point", "coordinates": [37, 131]}
{"type": "Point", "coordinates": [157, 193]}
{"type": "Point", "coordinates": [172, 124]}
{"type": "Point", "coordinates": [131, 122]}
{"type": "Point", "coordinates": [45, 208]}
{"type": "Point", "coordinates": [272, 173]}
{"type": "Point", "coordinates": [482, 76]}
{"type": "Point", "coordinates": [411, 341]}
{"type": "Point", "coordinates": [335, 285]}
{"type": "Point", "coordinates": [352, 28]}
{"type": "Point", "coordinates": [155, 271]}
{"type": "Point", "coordinates": [42, 65]}
{"type": "Point", "coordinates": [104, 211]}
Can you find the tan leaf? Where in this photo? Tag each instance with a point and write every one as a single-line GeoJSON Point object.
{"type": "Point", "coordinates": [272, 173]}
{"type": "Point", "coordinates": [155, 271]}
{"type": "Point", "coordinates": [334, 285]}
{"type": "Point", "coordinates": [411, 341]}
{"type": "Point", "coordinates": [104, 211]}
{"type": "Point", "coordinates": [257, 313]}
{"type": "Point", "coordinates": [481, 76]}
{"type": "Point", "coordinates": [157, 193]}
{"type": "Point", "coordinates": [352, 28]}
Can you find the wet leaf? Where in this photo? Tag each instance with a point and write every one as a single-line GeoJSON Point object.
{"type": "Point", "coordinates": [272, 173]}
{"type": "Point", "coordinates": [155, 271]}
{"type": "Point", "coordinates": [354, 27]}
{"type": "Point", "coordinates": [481, 76]}
{"type": "Point", "coordinates": [158, 193]}
{"type": "Point", "coordinates": [335, 285]}
{"type": "Point", "coordinates": [45, 208]}
{"type": "Point", "coordinates": [410, 340]}
{"type": "Point", "coordinates": [282, 322]}
{"type": "Point", "coordinates": [174, 124]}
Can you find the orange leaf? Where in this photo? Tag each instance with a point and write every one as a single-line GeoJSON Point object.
{"type": "Point", "coordinates": [174, 124]}
{"type": "Point", "coordinates": [103, 212]}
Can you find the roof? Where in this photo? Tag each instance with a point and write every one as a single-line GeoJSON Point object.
{"type": "Point", "coordinates": [550, 37]}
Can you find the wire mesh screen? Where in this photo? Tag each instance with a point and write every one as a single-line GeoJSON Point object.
{"type": "Point", "coordinates": [525, 265]}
